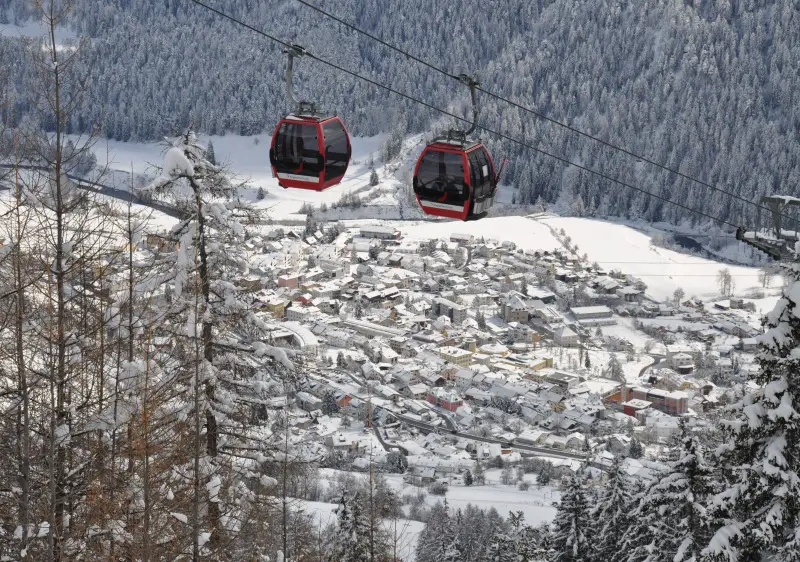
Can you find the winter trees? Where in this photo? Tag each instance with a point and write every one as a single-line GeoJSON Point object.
{"type": "Point", "coordinates": [615, 371]}
{"type": "Point", "coordinates": [56, 261]}
{"type": "Point", "coordinates": [210, 155]}
{"type": "Point", "coordinates": [468, 478]}
{"type": "Point", "coordinates": [679, 498]}
{"type": "Point", "coordinates": [765, 277]}
{"type": "Point", "coordinates": [436, 538]}
{"type": "Point", "coordinates": [725, 282]}
{"type": "Point", "coordinates": [329, 404]}
{"type": "Point", "coordinates": [760, 507]}
{"type": "Point", "coordinates": [635, 449]}
{"type": "Point", "coordinates": [359, 535]}
{"type": "Point", "coordinates": [220, 336]}
{"type": "Point", "coordinates": [475, 535]}
{"type": "Point", "coordinates": [611, 515]}
{"type": "Point", "coordinates": [351, 540]}
{"type": "Point", "coordinates": [572, 525]}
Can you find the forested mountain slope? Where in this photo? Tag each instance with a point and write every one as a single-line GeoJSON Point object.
{"type": "Point", "coordinates": [710, 88]}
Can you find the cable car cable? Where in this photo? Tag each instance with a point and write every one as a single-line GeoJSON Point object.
{"type": "Point", "coordinates": [541, 115]}
{"type": "Point", "coordinates": [450, 114]}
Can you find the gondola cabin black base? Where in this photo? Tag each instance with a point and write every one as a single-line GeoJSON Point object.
{"type": "Point", "coordinates": [455, 180]}
{"type": "Point", "coordinates": [310, 152]}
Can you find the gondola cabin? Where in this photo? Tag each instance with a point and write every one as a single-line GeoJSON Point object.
{"type": "Point", "coordinates": [454, 179]}
{"type": "Point", "coordinates": [310, 152]}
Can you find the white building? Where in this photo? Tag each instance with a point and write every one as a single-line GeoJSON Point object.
{"type": "Point", "coordinates": [303, 337]}
{"type": "Point", "coordinates": [590, 312]}
{"type": "Point", "coordinates": [380, 232]}
{"type": "Point", "coordinates": [565, 337]}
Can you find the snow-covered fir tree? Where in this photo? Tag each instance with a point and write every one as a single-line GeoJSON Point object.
{"type": "Point", "coordinates": [502, 547]}
{"type": "Point", "coordinates": [572, 526]}
{"type": "Point", "coordinates": [680, 495]}
{"type": "Point", "coordinates": [354, 540]}
{"type": "Point", "coordinates": [329, 404]}
{"type": "Point", "coordinates": [669, 521]}
{"type": "Point", "coordinates": [760, 506]}
{"type": "Point", "coordinates": [529, 543]}
{"type": "Point", "coordinates": [437, 536]}
{"type": "Point", "coordinates": [611, 515]}
{"type": "Point", "coordinates": [211, 156]}
{"type": "Point", "coordinates": [455, 550]}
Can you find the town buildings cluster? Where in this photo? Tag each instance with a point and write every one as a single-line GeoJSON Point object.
{"type": "Point", "coordinates": [463, 349]}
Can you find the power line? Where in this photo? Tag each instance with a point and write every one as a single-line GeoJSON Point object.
{"type": "Point", "coordinates": [453, 115]}
{"type": "Point", "coordinates": [539, 114]}
{"type": "Point", "coordinates": [717, 264]}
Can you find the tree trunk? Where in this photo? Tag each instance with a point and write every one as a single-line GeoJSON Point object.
{"type": "Point", "coordinates": [208, 356]}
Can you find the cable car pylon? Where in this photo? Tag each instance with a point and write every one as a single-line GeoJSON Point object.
{"type": "Point", "coordinates": [777, 242]}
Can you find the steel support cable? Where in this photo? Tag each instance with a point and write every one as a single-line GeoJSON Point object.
{"type": "Point", "coordinates": [453, 115]}
{"type": "Point", "coordinates": [540, 115]}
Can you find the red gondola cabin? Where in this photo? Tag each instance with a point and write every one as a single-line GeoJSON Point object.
{"type": "Point", "coordinates": [310, 152]}
{"type": "Point", "coordinates": [454, 179]}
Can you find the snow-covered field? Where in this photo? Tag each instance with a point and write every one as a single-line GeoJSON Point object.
{"type": "Point", "coordinates": [34, 29]}
{"type": "Point", "coordinates": [616, 246]}
{"type": "Point", "coordinates": [406, 531]}
{"type": "Point", "coordinates": [536, 504]}
{"type": "Point", "coordinates": [524, 232]}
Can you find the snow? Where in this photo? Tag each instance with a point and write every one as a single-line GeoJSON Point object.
{"type": "Point", "coordinates": [407, 530]}
{"type": "Point", "coordinates": [535, 504]}
{"type": "Point", "coordinates": [213, 487]}
{"type": "Point", "coordinates": [527, 234]}
{"type": "Point", "coordinates": [180, 517]}
{"type": "Point", "coordinates": [268, 481]}
{"type": "Point", "coordinates": [248, 158]}
{"type": "Point", "coordinates": [176, 163]}
{"type": "Point", "coordinates": [617, 246]}
{"type": "Point", "coordinates": [612, 245]}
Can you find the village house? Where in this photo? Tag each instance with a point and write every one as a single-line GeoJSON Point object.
{"type": "Point", "coordinates": [669, 402]}
{"type": "Point", "coordinates": [456, 312]}
{"type": "Point", "coordinates": [566, 337]}
{"type": "Point", "coordinates": [444, 398]}
{"type": "Point", "coordinates": [515, 310]}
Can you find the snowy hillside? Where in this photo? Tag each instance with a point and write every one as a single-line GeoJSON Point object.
{"type": "Point", "coordinates": [609, 244]}
{"type": "Point", "coordinates": [707, 88]}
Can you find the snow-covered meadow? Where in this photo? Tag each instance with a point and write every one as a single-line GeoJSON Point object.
{"type": "Point", "coordinates": [537, 504]}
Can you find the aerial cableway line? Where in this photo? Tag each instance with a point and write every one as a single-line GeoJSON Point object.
{"type": "Point", "coordinates": [447, 113]}
{"type": "Point", "coordinates": [544, 117]}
